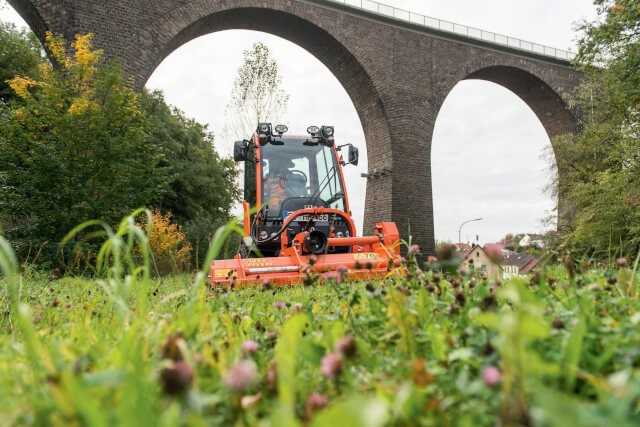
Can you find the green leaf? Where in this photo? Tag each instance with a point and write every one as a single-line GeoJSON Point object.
{"type": "Point", "coordinates": [572, 353]}
{"type": "Point", "coordinates": [355, 412]}
{"type": "Point", "coordinates": [286, 353]}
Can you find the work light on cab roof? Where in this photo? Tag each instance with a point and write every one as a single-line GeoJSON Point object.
{"type": "Point", "coordinates": [297, 217]}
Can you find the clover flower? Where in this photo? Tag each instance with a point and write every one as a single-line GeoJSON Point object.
{"type": "Point", "coordinates": [250, 347]}
{"type": "Point", "coordinates": [346, 346]}
{"type": "Point", "coordinates": [491, 376]}
{"type": "Point", "coordinates": [331, 365]}
{"type": "Point", "coordinates": [241, 376]}
{"type": "Point", "coordinates": [176, 378]}
{"type": "Point", "coordinates": [315, 402]}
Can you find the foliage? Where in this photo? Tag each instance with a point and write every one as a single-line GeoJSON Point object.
{"type": "Point", "coordinates": [168, 244]}
{"type": "Point", "coordinates": [257, 95]}
{"type": "Point", "coordinates": [79, 144]}
{"type": "Point", "coordinates": [73, 148]}
{"type": "Point", "coordinates": [20, 54]}
{"type": "Point", "coordinates": [203, 186]}
{"type": "Point", "coordinates": [429, 349]}
{"type": "Point", "coordinates": [601, 164]}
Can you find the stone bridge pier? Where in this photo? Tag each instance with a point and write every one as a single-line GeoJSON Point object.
{"type": "Point", "coordinates": [397, 74]}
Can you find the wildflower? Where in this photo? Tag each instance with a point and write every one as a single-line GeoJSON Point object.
{"type": "Point", "coordinates": [346, 346]}
{"type": "Point", "coordinates": [241, 376]}
{"type": "Point", "coordinates": [173, 348]}
{"type": "Point", "coordinates": [489, 302]}
{"type": "Point", "coordinates": [558, 323]}
{"type": "Point", "coordinates": [249, 347]}
{"type": "Point", "coordinates": [315, 402]}
{"type": "Point", "coordinates": [491, 376]}
{"type": "Point", "coordinates": [280, 305]}
{"type": "Point", "coordinates": [461, 299]}
{"type": "Point", "coordinates": [488, 349]}
{"type": "Point", "coordinates": [331, 365]}
{"type": "Point", "coordinates": [271, 337]}
{"type": "Point", "coordinates": [297, 307]}
{"type": "Point", "coordinates": [176, 378]}
{"type": "Point", "coordinates": [414, 250]}
{"type": "Point", "coordinates": [622, 262]}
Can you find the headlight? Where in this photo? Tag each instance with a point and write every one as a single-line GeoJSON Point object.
{"type": "Point", "coordinates": [313, 130]}
{"type": "Point", "coordinates": [327, 131]}
{"type": "Point", "coordinates": [282, 129]}
{"type": "Point", "coordinates": [263, 235]}
{"type": "Point", "coordinates": [264, 128]}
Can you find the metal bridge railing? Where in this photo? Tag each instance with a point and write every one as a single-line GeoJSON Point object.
{"type": "Point", "coordinates": [452, 27]}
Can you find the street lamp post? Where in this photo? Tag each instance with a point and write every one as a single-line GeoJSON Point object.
{"type": "Point", "coordinates": [462, 225]}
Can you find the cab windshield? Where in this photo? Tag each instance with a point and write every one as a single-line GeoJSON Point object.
{"type": "Point", "coordinates": [295, 175]}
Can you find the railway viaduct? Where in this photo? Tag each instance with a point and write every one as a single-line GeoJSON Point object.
{"type": "Point", "coordinates": [396, 66]}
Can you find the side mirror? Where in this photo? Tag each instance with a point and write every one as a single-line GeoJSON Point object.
{"type": "Point", "coordinates": [354, 155]}
{"type": "Point", "coordinates": [240, 151]}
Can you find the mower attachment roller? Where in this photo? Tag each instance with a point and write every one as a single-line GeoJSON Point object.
{"type": "Point", "coordinates": [371, 257]}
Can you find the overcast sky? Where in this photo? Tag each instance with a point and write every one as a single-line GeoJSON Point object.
{"type": "Point", "coordinates": [487, 158]}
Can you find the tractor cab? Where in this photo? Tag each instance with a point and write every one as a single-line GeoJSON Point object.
{"type": "Point", "coordinates": [287, 174]}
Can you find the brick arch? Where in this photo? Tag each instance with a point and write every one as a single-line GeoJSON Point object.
{"type": "Point", "coordinates": [340, 61]}
{"type": "Point", "coordinates": [31, 15]}
{"type": "Point", "coordinates": [547, 103]}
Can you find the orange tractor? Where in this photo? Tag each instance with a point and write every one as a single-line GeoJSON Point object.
{"type": "Point", "coordinates": [297, 219]}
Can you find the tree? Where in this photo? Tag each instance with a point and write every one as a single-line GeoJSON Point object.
{"type": "Point", "coordinates": [20, 54]}
{"type": "Point", "coordinates": [202, 187]}
{"type": "Point", "coordinates": [78, 144]}
{"type": "Point", "coordinates": [602, 162]}
{"type": "Point", "coordinates": [73, 147]}
{"type": "Point", "coordinates": [257, 94]}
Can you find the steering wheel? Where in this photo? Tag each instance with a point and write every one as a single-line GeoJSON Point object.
{"type": "Point", "coordinates": [299, 172]}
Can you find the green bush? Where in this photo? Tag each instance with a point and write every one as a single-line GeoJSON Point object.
{"type": "Point", "coordinates": [203, 186]}
{"type": "Point", "coordinates": [20, 54]}
{"type": "Point", "coordinates": [77, 143]}
{"type": "Point", "coordinates": [601, 164]}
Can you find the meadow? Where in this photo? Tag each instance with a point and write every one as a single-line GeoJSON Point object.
{"type": "Point", "coordinates": [560, 348]}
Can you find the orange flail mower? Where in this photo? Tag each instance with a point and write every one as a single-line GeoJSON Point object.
{"type": "Point", "coordinates": [297, 219]}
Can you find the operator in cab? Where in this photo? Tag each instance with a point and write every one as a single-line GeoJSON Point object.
{"type": "Point", "coordinates": [276, 187]}
{"type": "Point", "coordinates": [283, 182]}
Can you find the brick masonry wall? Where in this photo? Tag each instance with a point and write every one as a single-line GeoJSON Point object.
{"type": "Point", "coordinates": [397, 75]}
